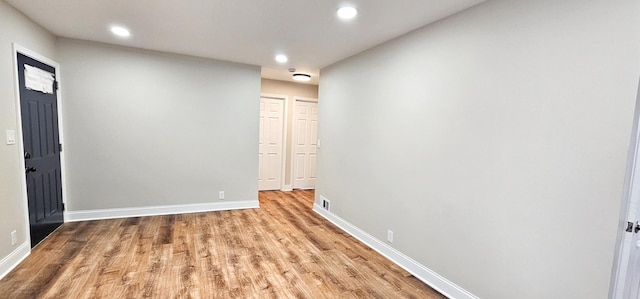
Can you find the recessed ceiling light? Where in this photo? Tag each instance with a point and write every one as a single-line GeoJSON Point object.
{"type": "Point", "coordinates": [281, 58]}
{"type": "Point", "coordinates": [301, 77]}
{"type": "Point", "coordinates": [120, 31]}
{"type": "Point", "coordinates": [347, 12]}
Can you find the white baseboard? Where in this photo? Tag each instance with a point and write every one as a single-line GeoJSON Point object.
{"type": "Point", "coordinates": [431, 278]}
{"type": "Point", "coordinates": [14, 258]}
{"type": "Point", "coordinates": [85, 215]}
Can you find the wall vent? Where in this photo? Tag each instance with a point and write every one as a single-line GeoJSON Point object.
{"type": "Point", "coordinates": [325, 203]}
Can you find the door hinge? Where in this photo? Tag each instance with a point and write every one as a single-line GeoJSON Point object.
{"type": "Point", "coordinates": [55, 85]}
{"type": "Point", "coordinates": [632, 227]}
{"type": "Point", "coordinates": [60, 146]}
{"type": "Point", "coordinates": [64, 207]}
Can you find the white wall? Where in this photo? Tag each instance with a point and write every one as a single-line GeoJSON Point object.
{"type": "Point", "coordinates": [14, 27]}
{"type": "Point", "coordinates": [144, 128]}
{"type": "Point", "coordinates": [493, 143]}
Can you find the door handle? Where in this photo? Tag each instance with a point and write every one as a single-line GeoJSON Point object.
{"type": "Point", "coordinates": [31, 169]}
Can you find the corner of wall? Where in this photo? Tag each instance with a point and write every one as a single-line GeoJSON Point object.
{"type": "Point", "coordinates": [426, 275]}
{"type": "Point", "coordinates": [8, 263]}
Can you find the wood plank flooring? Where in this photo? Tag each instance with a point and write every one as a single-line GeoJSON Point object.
{"type": "Point", "coordinates": [282, 250]}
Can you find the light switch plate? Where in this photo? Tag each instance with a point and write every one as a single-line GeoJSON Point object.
{"type": "Point", "coordinates": [11, 137]}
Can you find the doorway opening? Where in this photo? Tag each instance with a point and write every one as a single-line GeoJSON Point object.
{"type": "Point", "coordinates": [38, 102]}
{"type": "Point", "coordinates": [297, 164]}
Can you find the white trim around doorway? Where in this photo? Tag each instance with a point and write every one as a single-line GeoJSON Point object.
{"type": "Point", "coordinates": [620, 283]}
{"type": "Point", "coordinates": [19, 137]}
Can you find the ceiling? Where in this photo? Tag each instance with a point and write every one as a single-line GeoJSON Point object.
{"type": "Point", "coordinates": [245, 31]}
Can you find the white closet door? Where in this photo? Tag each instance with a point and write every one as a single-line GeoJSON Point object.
{"type": "Point", "coordinates": [270, 143]}
{"type": "Point", "coordinates": [305, 143]}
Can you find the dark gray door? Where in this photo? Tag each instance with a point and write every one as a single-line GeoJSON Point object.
{"type": "Point", "coordinates": [42, 154]}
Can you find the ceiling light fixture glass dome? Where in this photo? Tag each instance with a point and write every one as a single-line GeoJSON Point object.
{"type": "Point", "coordinates": [301, 77]}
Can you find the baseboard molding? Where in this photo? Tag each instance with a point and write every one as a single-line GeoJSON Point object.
{"type": "Point", "coordinates": [85, 215]}
{"type": "Point", "coordinates": [433, 279]}
{"type": "Point", "coordinates": [14, 258]}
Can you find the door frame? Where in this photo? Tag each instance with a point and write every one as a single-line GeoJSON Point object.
{"type": "Point", "coordinates": [629, 211]}
{"type": "Point", "coordinates": [294, 130]}
{"type": "Point", "coordinates": [19, 137]}
{"type": "Point", "coordinates": [285, 126]}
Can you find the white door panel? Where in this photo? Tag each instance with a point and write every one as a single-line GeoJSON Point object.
{"type": "Point", "coordinates": [312, 166]}
{"type": "Point", "coordinates": [299, 167]}
{"type": "Point", "coordinates": [305, 144]}
{"type": "Point", "coordinates": [270, 143]}
{"type": "Point", "coordinates": [274, 132]}
{"type": "Point", "coordinates": [301, 136]}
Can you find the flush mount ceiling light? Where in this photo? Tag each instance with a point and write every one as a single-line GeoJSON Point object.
{"type": "Point", "coordinates": [301, 77]}
{"type": "Point", "coordinates": [120, 31]}
{"type": "Point", "coordinates": [347, 12]}
{"type": "Point", "coordinates": [281, 58]}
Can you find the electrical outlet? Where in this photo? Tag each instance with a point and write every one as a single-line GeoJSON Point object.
{"type": "Point", "coordinates": [14, 238]}
{"type": "Point", "coordinates": [390, 236]}
{"type": "Point", "coordinates": [221, 195]}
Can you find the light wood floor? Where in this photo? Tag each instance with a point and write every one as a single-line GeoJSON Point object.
{"type": "Point", "coordinates": [282, 250]}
